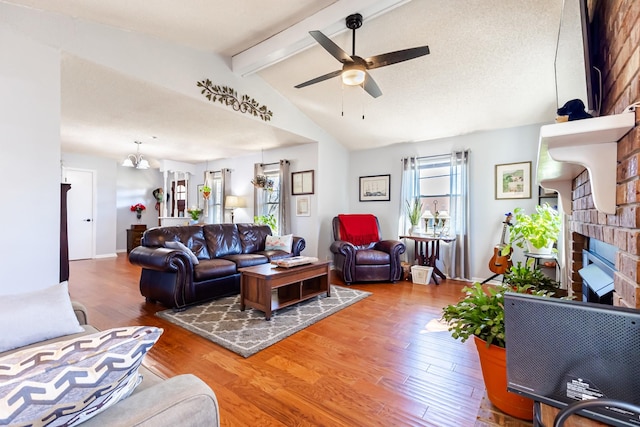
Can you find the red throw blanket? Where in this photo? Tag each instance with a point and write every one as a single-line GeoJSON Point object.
{"type": "Point", "coordinates": [359, 229]}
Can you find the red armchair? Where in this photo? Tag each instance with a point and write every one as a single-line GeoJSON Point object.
{"type": "Point", "coordinates": [358, 253]}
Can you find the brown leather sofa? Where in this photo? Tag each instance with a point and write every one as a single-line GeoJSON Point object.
{"type": "Point", "coordinates": [375, 261]}
{"type": "Point", "coordinates": [171, 277]}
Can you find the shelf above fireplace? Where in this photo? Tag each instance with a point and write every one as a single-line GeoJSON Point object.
{"type": "Point", "coordinates": [566, 149]}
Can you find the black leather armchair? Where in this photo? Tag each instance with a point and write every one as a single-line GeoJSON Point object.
{"type": "Point", "coordinates": [375, 261]}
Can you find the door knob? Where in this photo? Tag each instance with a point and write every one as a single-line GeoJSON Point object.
{"type": "Point", "coordinates": [87, 220]}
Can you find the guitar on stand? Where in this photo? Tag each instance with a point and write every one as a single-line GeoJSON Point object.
{"type": "Point", "coordinates": [499, 263]}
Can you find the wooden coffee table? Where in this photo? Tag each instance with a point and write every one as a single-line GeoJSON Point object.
{"type": "Point", "coordinates": [267, 288]}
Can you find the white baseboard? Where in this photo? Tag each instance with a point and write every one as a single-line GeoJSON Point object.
{"type": "Point", "coordinates": [106, 256]}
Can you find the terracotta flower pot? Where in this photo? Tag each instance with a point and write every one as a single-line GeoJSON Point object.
{"type": "Point", "coordinates": [493, 361]}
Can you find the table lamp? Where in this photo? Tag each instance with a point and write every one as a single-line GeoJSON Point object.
{"type": "Point", "coordinates": [233, 202]}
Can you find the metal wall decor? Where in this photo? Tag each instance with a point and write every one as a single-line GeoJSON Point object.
{"type": "Point", "coordinates": [228, 96]}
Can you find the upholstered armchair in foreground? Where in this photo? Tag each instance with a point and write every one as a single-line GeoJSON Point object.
{"type": "Point", "coordinates": [359, 255]}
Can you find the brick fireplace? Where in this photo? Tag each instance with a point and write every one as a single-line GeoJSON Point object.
{"type": "Point", "coordinates": [616, 36]}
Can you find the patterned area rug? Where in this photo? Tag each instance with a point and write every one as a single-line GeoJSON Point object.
{"type": "Point", "coordinates": [247, 332]}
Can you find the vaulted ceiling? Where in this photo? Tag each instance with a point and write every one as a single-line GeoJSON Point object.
{"type": "Point", "coordinates": [491, 66]}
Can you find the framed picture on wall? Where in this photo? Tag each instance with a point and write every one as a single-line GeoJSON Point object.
{"type": "Point", "coordinates": [513, 181]}
{"type": "Point", "coordinates": [375, 188]}
{"type": "Point", "coordinates": [303, 206]}
{"type": "Point", "coordinates": [302, 182]}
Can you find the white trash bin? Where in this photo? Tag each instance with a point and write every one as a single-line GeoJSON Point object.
{"type": "Point", "coordinates": [421, 275]}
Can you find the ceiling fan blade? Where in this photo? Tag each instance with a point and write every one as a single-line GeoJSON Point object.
{"type": "Point", "coordinates": [331, 47]}
{"type": "Point", "coordinates": [320, 79]}
{"type": "Point", "coordinates": [370, 86]}
{"type": "Point", "coordinates": [395, 57]}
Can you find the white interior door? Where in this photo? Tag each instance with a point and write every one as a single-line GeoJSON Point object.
{"type": "Point", "coordinates": [80, 217]}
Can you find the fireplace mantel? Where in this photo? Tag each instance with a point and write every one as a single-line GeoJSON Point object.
{"type": "Point", "coordinates": [565, 149]}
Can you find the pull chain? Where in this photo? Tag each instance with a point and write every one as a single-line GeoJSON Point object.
{"type": "Point", "coordinates": [342, 100]}
{"type": "Point", "coordinates": [362, 99]}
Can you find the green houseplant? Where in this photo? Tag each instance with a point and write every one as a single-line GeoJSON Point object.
{"type": "Point", "coordinates": [521, 275]}
{"type": "Point", "coordinates": [537, 231]}
{"type": "Point", "coordinates": [414, 212]}
{"type": "Point", "coordinates": [480, 314]}
{"type": "Point", "coordinates": [269, 220]}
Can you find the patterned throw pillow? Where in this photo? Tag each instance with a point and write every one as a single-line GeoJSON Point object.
{"type": "Point", "coordinates": [70, 381]}
{"type": "Point", "coordinates": [181, 247]}
{"type": "Point", "coordinates": [279, 243]}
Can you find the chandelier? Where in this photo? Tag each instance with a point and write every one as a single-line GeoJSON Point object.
{"type": "Point", "coordinates": [136, 160]}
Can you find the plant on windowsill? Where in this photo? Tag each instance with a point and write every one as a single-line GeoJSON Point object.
{"type": "Point", "coordinates": [414, 213]}
{"type": "Point", "coordinates": [537, 231]}
{"type": "Point", "coordinates": [480, 314]}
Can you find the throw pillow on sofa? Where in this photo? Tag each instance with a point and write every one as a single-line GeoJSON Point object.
{"type": "Point", "coordinates": [36, 316]}
{"type": "Point", "coordinates": [279, 243]}
{"type": "Point", "coordinates": [181, 247]}
{"type": "Point", "coordinates": [67, 382]}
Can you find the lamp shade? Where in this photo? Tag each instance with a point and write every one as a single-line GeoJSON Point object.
{"type": "Point", "coordinates": [143, 164]}
{"type": "Point", "coordinates": [232, 202]}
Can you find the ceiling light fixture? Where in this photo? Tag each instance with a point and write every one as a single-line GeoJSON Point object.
{"type": "Point", "coordinates": [353, 74]}
{"type": "Point", "coordinates": [136, 160]}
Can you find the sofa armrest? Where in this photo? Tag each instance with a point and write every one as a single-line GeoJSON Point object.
{"type": "Point", "coordinates": [160, 259]}
{"type": "Point", "coordinates": [343, 248]}
{"type": "Point", "coordinates": [81, 312]}
{"type": "Point", "coordinates": [392, 247]}
{"type": "Point", "coordinates": [298, 245]}
{"type": "Point", "coordinates": [184, 400]}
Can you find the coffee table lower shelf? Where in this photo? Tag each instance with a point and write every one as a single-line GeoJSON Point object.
{"type": "Point", "coordinates": [268, 288]}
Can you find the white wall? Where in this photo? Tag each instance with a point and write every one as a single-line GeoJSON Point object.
{"type": "Point", "coordinates": [117, 188]}
{"type": "Point", "coordinates": [301, 158]}
{"type": "Point", "coordinates": [30, 160]}
{"type": "Point", "coordinates": [487, 149]}
{"type": "Point", "coordinates": [135, 186]}
{"type": "Point", "coordinates": [332, 179]}
{"type": "Point", "coordinates": [105, 198]}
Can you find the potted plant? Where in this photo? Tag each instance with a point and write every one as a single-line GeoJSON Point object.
{"type": "Point", "coordinates": [480, 314]}
{"type": "Point", "coordinates": [520, 275]}
{"type": "Point", "coordinates": [195, 213]}
{"type": "Point", "coordinates": [414, 212]}
{"type": "Point", "coordinates": [262, 182]}
{"type": "Point", "coordinates": [206, 191]}
{"type": "Point", "coordinates": [538, 231]}
{"type": "Point", "coordinates": [138, 208]}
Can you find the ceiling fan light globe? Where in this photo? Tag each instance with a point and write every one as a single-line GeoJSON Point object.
{"type": "Point", "coordinates": [353, 76]}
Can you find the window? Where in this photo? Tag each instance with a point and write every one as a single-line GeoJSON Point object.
{"type": "Point", "coordinates": [435, 183]}
{"type": "Point", "coordinates": [214, 180]}
{"type": "Point", "coordinates": [268, 201]}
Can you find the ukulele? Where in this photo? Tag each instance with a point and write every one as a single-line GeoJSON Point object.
{"type": "Point", "coordinates": [499, 264]}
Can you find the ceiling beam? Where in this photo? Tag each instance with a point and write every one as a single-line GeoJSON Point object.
{"type": "Point", "coordinates": [296, 38]}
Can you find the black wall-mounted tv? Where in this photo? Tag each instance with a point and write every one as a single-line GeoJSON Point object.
{"type": "Point", "coordinates": [576, 76]}
{"type": "Point", "coordinates": [562, 351]}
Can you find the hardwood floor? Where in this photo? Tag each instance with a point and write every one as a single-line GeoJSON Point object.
{"type": "Point", "coordinates": [376, 363]}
